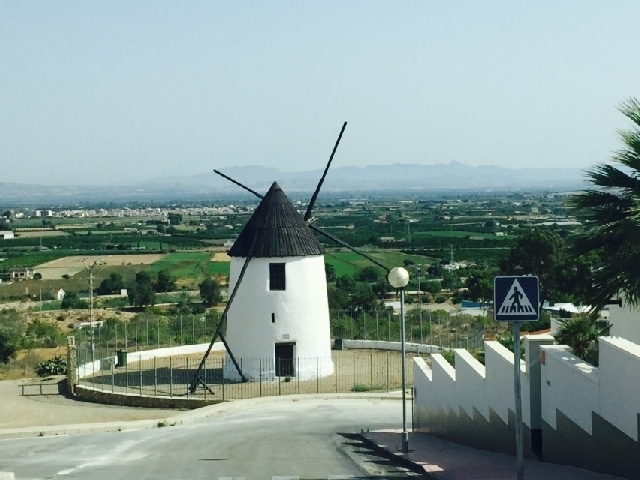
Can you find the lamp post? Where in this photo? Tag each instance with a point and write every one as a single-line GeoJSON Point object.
{"type": "Point", "coordinates": [399, 278]}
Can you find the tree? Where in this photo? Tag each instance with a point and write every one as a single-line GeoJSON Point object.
{"type": "Point", "coordinates": [71, 300]}
{"type": "Point", "coordinates": [210, 292]}
{"type": "Point", "coordinates": [113, 284]}
{"type": "Point", "coordinates": [141, 292]}
{"type": "Point", "coordinates": [9, 345]}
{"type": "Point", "coordinates": [581, 334]}
{"type": "Point", "coordinates": [363, 300]}
{"type": "Point", "coordinates": [431, 286]}
{"type": "Point", "coordinates": [330, 272]}
{"type": "Point", "coordinates": [480, 286]}
{"type": "Point", "coordinates": [381, 288]}
{"type": "Point", "coordinates": [538, 252]}
{"type": "Point", "coordinates": [338, 298]}
{"type": "Point", "coordinates": [611, 210]}
{"type": "Point", "coordinates": [369, 274]}
{"type": "Point", "coordinates": [164, 282]}
{"type": "Point", "coordinates": [346, 283]}
{"type": "Point", "coordinates": [175, 218]}
{"type": "Point", "coordinates": [12, 330]}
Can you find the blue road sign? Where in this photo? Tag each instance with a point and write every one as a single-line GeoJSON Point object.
{"type": "Point", "coordinates": [516, 299]}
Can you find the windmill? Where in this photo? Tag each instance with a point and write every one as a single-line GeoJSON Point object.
{"type": "Point", "coordinates": [277, 307]}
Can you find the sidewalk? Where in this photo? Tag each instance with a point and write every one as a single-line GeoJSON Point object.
{"type": "Point", "coordinates": [451, 461]}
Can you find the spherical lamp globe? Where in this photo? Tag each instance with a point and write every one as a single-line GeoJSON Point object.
{"type": "Point", "coordinates": [398, 277]}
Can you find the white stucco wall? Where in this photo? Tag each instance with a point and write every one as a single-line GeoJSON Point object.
{"type": "Point", "coordinates": [442, 392]}
{"type": "Point", "coordinates": [499, 377]}
{"type": "Point", "coordinates": [93, 367]}
{"type": "Point", "coordinates": [619, 386]}
{"type": "Point", "coordinates": [625, 322]}
{"type": "Point", "coordinates": [567, 385]}
{"type": "Point", "coordinates": [570, 385]}
{"type": "Point", "coordinates": [393, 346]}
{"type": "Point", "coordinates": [301, 317]}
{"type": "Point", "coordinates": [470, 384]}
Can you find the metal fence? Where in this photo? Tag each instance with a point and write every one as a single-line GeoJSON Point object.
{"type": "Point", "coordinates": [353, 371]}
{"type": "Point", "coordinates": [147, 331]}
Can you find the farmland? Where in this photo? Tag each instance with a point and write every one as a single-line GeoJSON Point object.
{"type": "Point", "coordinates": [188, 242]}
{"type": "Point", "coordinates": [73, 265]}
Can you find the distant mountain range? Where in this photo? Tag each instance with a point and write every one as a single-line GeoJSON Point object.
{"type": "Point", "coordinates": [454, 175]}
{"type": "Point", "coordinates": [397, 178]}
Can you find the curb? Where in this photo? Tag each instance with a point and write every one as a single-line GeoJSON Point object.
{"type": "Point", "coordinates": [398, 458]}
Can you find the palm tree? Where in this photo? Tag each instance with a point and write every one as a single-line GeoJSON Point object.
{"type": "Point", "coordinates": [612, 214]}
{"type": "Point", "coordinates": [581, 334]}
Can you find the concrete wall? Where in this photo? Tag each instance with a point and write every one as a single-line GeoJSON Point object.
{"type": "Point", "coordinates": [110, 362]}
{"type": "Point", "coordinates": [573, 412]}
{"type": "Point", "coordinates": [132, 400]}
{"type": "Point", "coordinates": [382, 345]}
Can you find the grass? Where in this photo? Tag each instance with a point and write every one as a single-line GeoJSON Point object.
{"type": "Point", "coordinates": [218, 269]}
{"type": "Point", "coordinates": [348, 263]}
{"type": "Point", "coordinates": [189, 267]}
{"type": "Point", "coordinates": [182, 264]}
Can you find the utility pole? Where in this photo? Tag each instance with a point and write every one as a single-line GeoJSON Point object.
{"type": "Point", "coordinates": [91, 324]}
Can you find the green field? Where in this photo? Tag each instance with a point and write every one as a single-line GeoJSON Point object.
{"type": "Point", "coordinates": [189, 268]}
{"type": "Point", "coordinates": [218, 269]}
{"type": "Point", "coordinates": [182, 264]}
{"type": "Point", "coordinates": [348, 263]}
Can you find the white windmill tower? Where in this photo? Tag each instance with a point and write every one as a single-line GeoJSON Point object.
{"type": "Point", "coordinates": [279, 322]}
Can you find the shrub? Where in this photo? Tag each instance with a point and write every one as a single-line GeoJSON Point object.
{"type": "Point", "coordinates": [359, 388]}
{"type": "Point", "coordinates": [53, 366]}
{"type": "Point", "coordinates": [449, 356]}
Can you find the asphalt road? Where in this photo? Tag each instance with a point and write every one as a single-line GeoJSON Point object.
{"type": "Point", "coordinates": [283, 439]}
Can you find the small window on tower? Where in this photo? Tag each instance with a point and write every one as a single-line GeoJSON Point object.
{"type": "Point", "coordinates": [276, 276]}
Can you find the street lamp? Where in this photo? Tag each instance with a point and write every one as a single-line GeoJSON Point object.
{"type": "Point", "coordinates": [399, 278]}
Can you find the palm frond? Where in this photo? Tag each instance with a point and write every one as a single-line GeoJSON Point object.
{"type": "Point", "coordinates": [630, 108]}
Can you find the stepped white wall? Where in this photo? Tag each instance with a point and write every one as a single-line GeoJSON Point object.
{"type": "Point", "coordinates": [584, 415]}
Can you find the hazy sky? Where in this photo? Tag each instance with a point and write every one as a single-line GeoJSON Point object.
{"type": "Point", "coordinates": [105, 92]}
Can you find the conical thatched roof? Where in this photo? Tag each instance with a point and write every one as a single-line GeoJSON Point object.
{"type": "Point", "coordinates": [278, 229]}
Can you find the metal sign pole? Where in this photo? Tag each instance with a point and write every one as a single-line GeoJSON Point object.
{"type": "Point", "coordinates": [518, 397]}
{"type": "Point", "coordinates": [515, 300]}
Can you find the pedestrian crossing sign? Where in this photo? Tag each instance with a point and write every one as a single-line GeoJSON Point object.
{"type": "Point", "coordinates": [516, 299]}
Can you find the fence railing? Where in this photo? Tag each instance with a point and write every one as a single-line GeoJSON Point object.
{"type": "Point", "coordinates": [99, 347]}
{"type": "Point", "coordinates": [147, 331]}
{"type": "Point", "coordinates": [352, 371]}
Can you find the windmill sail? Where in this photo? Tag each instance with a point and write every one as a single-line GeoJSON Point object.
{"type": "Point", "coordinates": [314, 197]}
